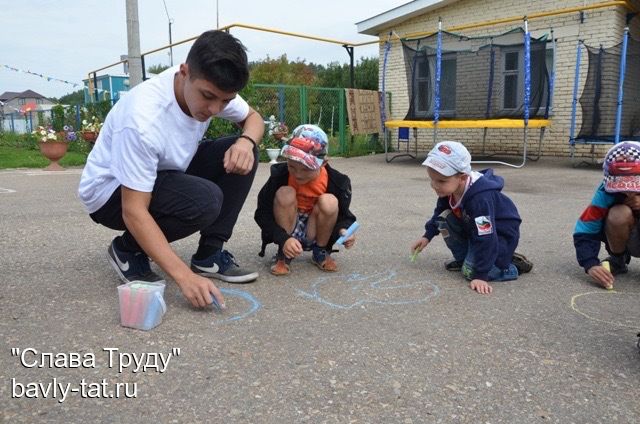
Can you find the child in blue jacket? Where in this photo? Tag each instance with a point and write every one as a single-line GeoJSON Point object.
{"type": "Point", "coordinates": [480, 224]}
{"type": "Point", "coordinates": [612, 217]}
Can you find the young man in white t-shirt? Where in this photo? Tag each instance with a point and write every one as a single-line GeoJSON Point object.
{"type": "Point", "coordinates": [150, 174]}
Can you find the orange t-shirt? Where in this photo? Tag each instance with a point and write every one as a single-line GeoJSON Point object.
{"type": "Point", "coordinates": [307, 194]}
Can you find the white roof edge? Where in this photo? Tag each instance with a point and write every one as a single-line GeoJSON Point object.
{"type": "Point", "coordinates": [375, 24]}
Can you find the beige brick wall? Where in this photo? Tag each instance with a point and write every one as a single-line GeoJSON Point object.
{"type": "Point", "coordinates": [601, 26]}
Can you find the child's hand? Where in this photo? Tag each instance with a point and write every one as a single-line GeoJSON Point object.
{"type": "Point", "coordinates": [419, 244]}
{"type": "Point", "coordinates": [602, 276]}
{"type": "Point", "coordinates": [480, 286]}
{"type": "Point", "coordinates": [633, 201]}
{"type": "Point", "coordinates": [349, 242]}
{"type": "Point", "coordinates": [292, 248]}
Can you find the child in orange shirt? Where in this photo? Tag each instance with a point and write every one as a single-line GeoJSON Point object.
{"type": "Point", "coordinates": [304, 205]}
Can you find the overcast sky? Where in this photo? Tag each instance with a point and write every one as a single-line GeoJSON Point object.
{"type": "Point", "coordinates": [66, 39]}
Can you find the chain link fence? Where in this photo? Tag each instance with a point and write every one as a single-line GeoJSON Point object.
{"type": "Point", "coordinates": [322, 106]}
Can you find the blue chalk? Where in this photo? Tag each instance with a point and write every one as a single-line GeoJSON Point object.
{"type": "Point", "coordinates": [214, 302]}
{"type": "Point", "coordinates": [352, 229]}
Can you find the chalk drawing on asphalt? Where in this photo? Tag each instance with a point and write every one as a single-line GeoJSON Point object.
{"type": "Point", "coordinates": [242, 306]}
{"type": "Point", "coordinates": [356, 290]}
{"type": "Point", "coordinates": [612, 307]}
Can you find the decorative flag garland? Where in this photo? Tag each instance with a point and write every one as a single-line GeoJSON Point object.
{"type": "Point", "coordinates": [48, 78]}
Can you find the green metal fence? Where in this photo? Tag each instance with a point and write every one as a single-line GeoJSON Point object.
{"type": "Point", "coordinates": [295, 105]}
{"type": "Point", "coordinates": [322, 106]}
{"type": "Point", "coordinates": [291, 104]}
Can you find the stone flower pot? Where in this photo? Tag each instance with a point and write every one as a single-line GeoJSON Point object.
{"type": "Point", "coordinates": [54, 151]}
{"type": "Point", "coordinates": [273, 155]}
{"type": "Point", "coordinates": [90, 136]}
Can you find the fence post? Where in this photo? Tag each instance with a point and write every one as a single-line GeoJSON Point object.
{"type": "Point", "coordinates": [78, 126]}
{"type": "Point", "coordinates": [341, 126]}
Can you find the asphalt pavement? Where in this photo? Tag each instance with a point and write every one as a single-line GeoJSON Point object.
{"type": "Point", "coordinates": [383, 340]}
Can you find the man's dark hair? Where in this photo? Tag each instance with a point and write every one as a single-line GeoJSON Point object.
{"type": "Point", "coordinates": [221, 59]}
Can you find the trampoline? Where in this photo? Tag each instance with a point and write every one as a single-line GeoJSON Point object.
{"type": "Point", "coordinates": [612, 77]}
{"type": "Point", "coordinates": [490, 82]}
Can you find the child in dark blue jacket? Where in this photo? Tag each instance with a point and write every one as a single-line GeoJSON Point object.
{"type": "Point", "coordinates": [480, 224]}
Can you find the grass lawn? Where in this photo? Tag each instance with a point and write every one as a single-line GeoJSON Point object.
{"type": "Point", "coordinates": [20, 151]}
{"type": "Point", "coordinates": [17, 157]}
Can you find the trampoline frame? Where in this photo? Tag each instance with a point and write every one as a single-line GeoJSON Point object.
{"type": "Point", "coordinates": [574, 106]}
{"type": "Point", "coordinates": [485, 124]}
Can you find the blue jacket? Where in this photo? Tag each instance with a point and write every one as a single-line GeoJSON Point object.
{"type": "Point", "coordinates": [491, 221]}
{"type": "Point", "coordinates": [588, 233]}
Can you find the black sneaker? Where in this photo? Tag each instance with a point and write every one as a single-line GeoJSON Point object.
{"type": "Point", "coordinates": [454, 265]}
{"type": "Point", "coordinates": [223, 266]}
{"type": "Point", "coordinates": [617, 264]}
{"type": "Point", "coordinates": [523, 264]}
{"type": "Point", "coordinates": [132, 266]}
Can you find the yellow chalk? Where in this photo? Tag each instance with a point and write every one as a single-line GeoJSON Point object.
{"type": "Point", "coordinates": [415, 254]}
{"type": "Point", "coordinates": [606, 265]}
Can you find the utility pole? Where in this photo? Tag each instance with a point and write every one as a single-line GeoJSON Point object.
{"type": "Point", "coordinates": [170, 42]}
{"type": "Point", "coordinates": [170, 22]}
{"type": "Point", "coordinates": [133, 44]}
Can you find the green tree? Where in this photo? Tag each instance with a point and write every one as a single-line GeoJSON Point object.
{"type": "Point", "coordinates": [156, 69]}
{"type": "Point", "coordinates": [338, 75]}
{"type": "Point", "coordinates": [367, 73]}
{"type": "Point", "coordinates": [282, 71]}
{"type": "Point", "coordinates": [334, 75]}
{"type": "Point", "coordinates": [74, 98]}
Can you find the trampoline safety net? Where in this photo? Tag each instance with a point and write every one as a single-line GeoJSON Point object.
{"type": "Point", "coordinates": [599, 97]}
{"type": "Point", "coordinates": [480, 77]}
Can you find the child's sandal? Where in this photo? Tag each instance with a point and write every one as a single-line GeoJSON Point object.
{"type": "Point", "coordinates": [280, 268]}
{"type": "Point", "coordinates": [328, 265]}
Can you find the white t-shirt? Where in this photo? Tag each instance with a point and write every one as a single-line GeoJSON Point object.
{"type": "Point", "coordinates": [145, 132]}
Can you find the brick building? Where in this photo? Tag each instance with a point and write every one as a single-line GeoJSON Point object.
{"type": "Point", "coordinates": [595, 22]}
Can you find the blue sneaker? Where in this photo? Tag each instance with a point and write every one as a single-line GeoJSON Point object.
{"type": "Point", "coordinates": [508, 274]}
{"type": "Point", "coordinates": [131, 266]}
{"type": "Point", "coordinates": [223, 266]}
{"type": "Point", "coordinates": [495, 274]}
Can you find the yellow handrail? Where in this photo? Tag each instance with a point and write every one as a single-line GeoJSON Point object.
{"type": "Point", "coordinates": [253, 27]}
{"type": "Point", "coordinates": [623, 3]}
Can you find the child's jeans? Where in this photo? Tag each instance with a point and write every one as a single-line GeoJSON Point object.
{"type": "Point", "coordinates": [459, 243]}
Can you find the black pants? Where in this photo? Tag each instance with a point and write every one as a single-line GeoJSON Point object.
{"type": "Point", "coordinates": [204, 198]}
